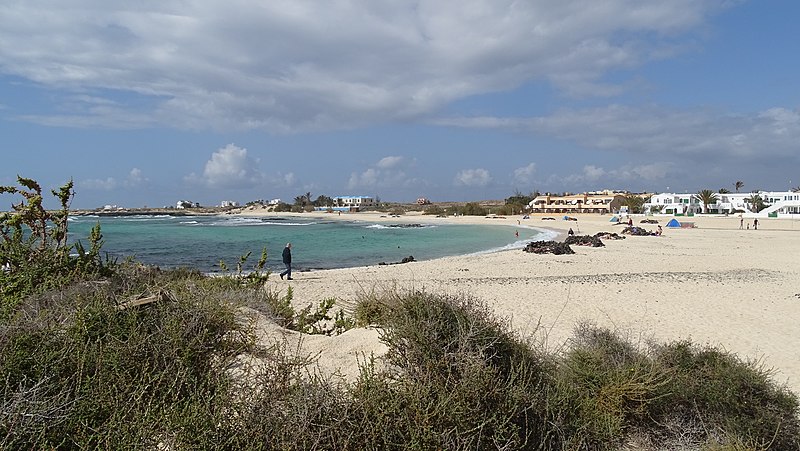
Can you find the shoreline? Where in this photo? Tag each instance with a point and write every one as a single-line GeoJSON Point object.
{"type": "Point", "coordinates": [714, 285]}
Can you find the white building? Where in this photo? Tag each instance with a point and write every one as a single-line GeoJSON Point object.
{"type": "Point", "coordinates": [274, 202]}
{"type": "Point", "coordinates": [673, 204]}
{"type": "Point", "coordinates": [777, 202]}
{"type": "Point", "coordinates": [353, 201]}
{"type": "Point", "coordinates": [228, 203]}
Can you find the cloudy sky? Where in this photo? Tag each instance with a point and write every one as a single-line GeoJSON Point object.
{"type": "Point", "coordinates": [161, 100]}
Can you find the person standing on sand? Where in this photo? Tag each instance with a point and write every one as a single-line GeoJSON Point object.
{"type": "Point", "coordinates": [755, 224]}
{"type": "Point", "coordinates": [287, 260]}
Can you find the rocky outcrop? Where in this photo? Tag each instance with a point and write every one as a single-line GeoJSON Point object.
{"type": "Point", "coordinates": [584, 240]}
{"type": "Point", "coordinates": [408, 259]}
{"type": "Point", "coordinates": [608, 236]}
{"type": "Point", "coordinates": [548, 247]}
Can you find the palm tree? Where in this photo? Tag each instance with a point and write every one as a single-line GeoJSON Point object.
{"type": "Point", "coordinates": [723, 191]}
{"type": "Point", "coordinates": [738, 185]}
{"type": "Point", "coordinates": [756, 202]}
{"type": "Point", "coordinates": [633, 202]}
{"type": "Point", "coordinates": [707, 197]}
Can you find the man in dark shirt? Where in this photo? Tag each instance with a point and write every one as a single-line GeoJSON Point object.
{"type": "Point", "coordinates": [287, 260]}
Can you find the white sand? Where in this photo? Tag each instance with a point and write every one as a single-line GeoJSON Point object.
{"type": "Point", "coordinates": [715, 284]}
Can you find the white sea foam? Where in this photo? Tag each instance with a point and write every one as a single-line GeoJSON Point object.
{"type": "Point", "coordinates": [141, 218]}
{"type": "Point", "coordinates": [394, 227]}
{"type": "Point", "coordinates": [541, 235]}
{"type": "Point", "coordinates": [250, 222]}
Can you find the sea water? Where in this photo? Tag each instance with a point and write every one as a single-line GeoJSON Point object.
{"type": "Point", "coordinates": [201, 242]}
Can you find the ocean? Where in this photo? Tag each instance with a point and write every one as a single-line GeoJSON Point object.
{"type": "Point", "coordinates": [200, 242]}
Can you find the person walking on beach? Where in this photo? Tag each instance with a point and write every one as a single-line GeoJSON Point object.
{"type": "Point", "coordinates": [287, 260]}
{"type": "Point", "coordinates": [755, 224]}
{"type": "Point", "coordinates": [741, 223]}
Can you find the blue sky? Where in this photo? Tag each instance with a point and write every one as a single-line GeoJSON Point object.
{"type": "Point", "coordinates": [156, 101]}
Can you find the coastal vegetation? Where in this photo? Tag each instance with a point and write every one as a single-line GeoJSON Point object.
{"type": "Point", "coordinates": [707, 197]}
{"type": "Point", "coordinates": [757, 203]}
{"type": "Point", "coordinates": [634, 203]}
{"type": "Point", "coordinates": [99, 354]}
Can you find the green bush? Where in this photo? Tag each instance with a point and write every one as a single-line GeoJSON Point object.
{"type": "Point", "coordinates": [80, 372]}
{"type": "Point", "coordinates": [34, 251]}
{"type": "Point", "coordinates": [733, 399]}
{"type": "Point", "coordinates": [459, 380]}
{"type": "Point", "coordinates": [81, 368]}
{"type": "Point", "coordinates": [472, 209]}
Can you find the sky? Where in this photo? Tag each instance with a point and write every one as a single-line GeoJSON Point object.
{"type": "Point", "coordinates": [149, 102]}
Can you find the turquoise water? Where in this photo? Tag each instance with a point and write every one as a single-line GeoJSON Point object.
{"type": "Point", "coordinates": [202, 241]}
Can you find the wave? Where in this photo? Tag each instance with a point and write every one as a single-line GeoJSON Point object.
{"type": "Point", "coordinates": [250, 222]}
{"type": "Point", "coordinates": [400, 226]}
{"type": "Point", "coordinates": [541, 235]}
{"type": "Point", "coordinates": [144, 218]}
{"type": "Point", "coordinates": [190, 222]}
{"type": "Point", "coordinates": [81, 217]}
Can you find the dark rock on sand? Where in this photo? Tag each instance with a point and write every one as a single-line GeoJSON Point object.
{"type": "Point", "coordinates": [408, 259]}
{"type": "Point", "coordinates": [584, 240]}
{"type": "Point", "coordinates": [637, 231]}
{"type": "Point", "coordinates": [608, 236]}
{"type": "Point", "coordinates": [548, 247]}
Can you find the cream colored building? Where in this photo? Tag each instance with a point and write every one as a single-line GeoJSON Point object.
{"type": "Point", "coordinates": [577, 203]}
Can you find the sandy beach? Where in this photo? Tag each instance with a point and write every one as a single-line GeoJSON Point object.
{"type": "Point", "coordinates": [713, 284]}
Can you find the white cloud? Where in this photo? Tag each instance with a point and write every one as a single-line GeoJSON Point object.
{"type": "Point", "coordinates": [524, 174]}
{"type": "Point", "coordinates": [107, 184]}
{"type": "Point", "coordinates": [655, 130]}
{"type": "Point", "coordinates": [204, 65]}
{"type": "Point", "coordinates": [229, 167]}
{"type": "Point", "coordinates": [592, 175]}
{"type": "Point", "coordinates": [473, 177]}
{"type": "Point", "coordinates": [387, 172]}
{"type": "Point", "coordinates": [389, 162]}
{"type": "Point", "coordinates": [370, 177]}
{"type": "Point", "coordinates": [134, 178]}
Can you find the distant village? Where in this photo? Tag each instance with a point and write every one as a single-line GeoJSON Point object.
{"type": "Point", "coordinates": [723, 202]}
